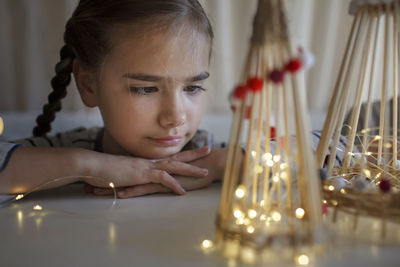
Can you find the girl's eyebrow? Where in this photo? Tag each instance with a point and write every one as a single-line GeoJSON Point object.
{"type": "Point", "coordinates": [153, 78]}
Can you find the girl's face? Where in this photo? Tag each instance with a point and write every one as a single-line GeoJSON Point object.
{"type": "Point", "coordinates": [150, 92]}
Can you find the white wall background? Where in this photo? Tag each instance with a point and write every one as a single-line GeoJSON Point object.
{"type": "Point", "coordinates": [31, 36]}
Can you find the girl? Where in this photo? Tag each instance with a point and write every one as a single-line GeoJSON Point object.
{"type": "Point", "coordinates": [143, 64]}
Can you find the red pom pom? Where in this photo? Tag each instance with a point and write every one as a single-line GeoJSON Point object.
{"type": "Point", "coordinates": [272, 132]}
{"type": "Point", "coordinates": [240, 92]}
{"type": "Point", "coordinates": [294, 65]}
{"type": "Point", "coordinates": [324, 208]}
{"type": "Point", "coordinates": [255, 84]}
{"type": "Point", "coordinates": [385, 185]}
{"type": "Point", "coordinates": [277, 76]}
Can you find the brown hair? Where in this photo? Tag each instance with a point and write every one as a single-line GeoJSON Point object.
{"type": "Point", "coordinates": [87, 37]}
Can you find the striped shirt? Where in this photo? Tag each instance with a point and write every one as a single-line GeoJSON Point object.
{"type": "Point", "coordinates": [90, 139]}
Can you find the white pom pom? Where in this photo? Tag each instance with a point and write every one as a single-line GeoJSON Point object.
{"type": "Point", "coordinates": [307, 57]}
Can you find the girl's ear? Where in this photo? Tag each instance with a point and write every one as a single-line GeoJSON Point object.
{"type": "Point", "coordinates": [86, 83]}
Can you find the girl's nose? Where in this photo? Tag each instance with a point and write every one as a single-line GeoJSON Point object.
{"type": "Point", "coordinates": [173, 113]}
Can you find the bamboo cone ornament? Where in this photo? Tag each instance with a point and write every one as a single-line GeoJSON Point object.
{"type": "Point", "coordinates": [270, 200]}
{"type": "Point", "coordinates": [365, 141]}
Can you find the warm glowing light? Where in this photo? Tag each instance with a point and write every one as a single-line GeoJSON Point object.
{"type": "Point", "coordinates": [277, 158]}
{"type": "Point", "coordinates": [206, 244]}
{"type": "Point", "coordinates": [331, 188]}
{"type": "Point", "coordinates": [240, 191]}
{"type": "Point", "coordinates": [283, 166]}
{"type": "Point", "coordinates": [334, 202]}
{"type": "Point", "coordinates": [324, 201]}
{"type": "Point", "coordinates": [367, 173]}
{"type": "Point", "coordinates": [253, 153]}
{"type": "Point", "coordinates": [240, 221]}
{"type": "Point", "coordinates": [275, 179]}
{"type": "Point", "coordinates": [377, 137]}
{"type": "Point", "coordinates": [284, 175]}
{"type": "Point", "coordinates": [300, 213]}
{"type": "Point", "coordinates": [302, 259]}
{"type": "Point", "coordinates": [388, 145]}
{"type": "Point", "coordinates": [111, 185]}
{"type": "Point", "coordinates": [263, 217]}
{"type": "Point", "coordinates": [267, 156]}
{"type": "Point", "coordinates": [248, 255]}
{"type": "Point", "coordinates": [378, 175]}
{"type": "Point", "coordinates": [258, 169]}
{"type": "Point", "coordinates": [270, 163]}
{"type": "Point", "coordinates": [276, 216]}
{"type": "Point", "coordinates": [369, 153]}
{"type": "Point", "coordinates": [1, 125]}
{"type": "Point", "coordinates": [250, 229]}
{"type": "Point", "coordinates": [252, 213]}
{"type": "Point", "coordinates": [18, 197]}
{"type": "Point", "coordinates": [262, 203]}
{"type": "Point", "coordinates": [37, 207]}
{"type": "Point", "coordinates": [247, 221]}
{"type": "Point", "coordinates": [237, 213]}
{"type": "Point", "coordinates": [343, 191]}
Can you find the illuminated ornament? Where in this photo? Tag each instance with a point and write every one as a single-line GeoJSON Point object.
{"type": "Point", "coordinates": [361, 129]}
{"type": "Point", "coordinates": [207, 244]}
{"type": "Point", "coordinates": [271, 192]}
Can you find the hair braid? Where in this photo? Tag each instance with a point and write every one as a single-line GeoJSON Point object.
{"type": "Point", "coordinates": [59, 84]}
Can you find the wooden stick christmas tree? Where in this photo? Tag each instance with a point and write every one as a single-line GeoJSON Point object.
{"type": "Point", "coordinates": [360, 149]}
{"type": "Point", "coordinates": [270, 199]}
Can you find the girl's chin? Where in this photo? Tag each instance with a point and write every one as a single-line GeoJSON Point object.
{"type": "Point", "coordinates": [159, 153]}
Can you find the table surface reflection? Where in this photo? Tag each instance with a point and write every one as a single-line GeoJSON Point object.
{"type": "Point", "coordinates": [78, 229]}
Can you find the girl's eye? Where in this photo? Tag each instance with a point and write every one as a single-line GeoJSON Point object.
{"type": "Point", "coordinates": [143, 90]}
{"type": "Point", "coordinates": [194, 89]}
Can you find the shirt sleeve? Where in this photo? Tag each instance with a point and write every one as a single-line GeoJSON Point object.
{"type": "Point", "coordinates": [6, 150]}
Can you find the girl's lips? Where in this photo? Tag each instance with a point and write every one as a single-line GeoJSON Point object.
{"type": "Point", "coordinates": [168, 140]}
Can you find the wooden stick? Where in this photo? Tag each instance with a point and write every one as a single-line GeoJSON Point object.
{"type": "Point", "coordinates": [383, 95]}
{"type": "Point", "coordinates": [332, 110]}
{"type": "Point", "coordinates": [361, 83]}
{"type": "Point", "coordinates": [395, 83]}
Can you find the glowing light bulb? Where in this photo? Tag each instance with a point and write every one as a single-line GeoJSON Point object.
{"type": "Point", "coordinates": [367, 173]}
{"type": "Point", "coordinates": [300, 213]}
{"type": "Point", "coordinates": [283, 166]}
{"type": "Point", "coordinates": [250, 229]}
{"type": "Point", "coordinates": [262, 203]}
{"type": "Point", "coordinates": [276, 216]}
{"type": "Point", "coordinates": [302, 259]}
{"type": "Point", "coordinates": [237, 213]}
{"type": "Point", "coordinates": [284, 175]}
{"type": "Point", "coordinates": [377, 137]}
{"type": "Point", "coordinates": [240, 191]}
{"type": "Point", "coordinates": [378, 175]}
{"type": "Point", "coordinates": [240, 221]}
{"type": "Point", "coordinates": [275, 178]}
{"type": "Point", "coordinates": [343, 191]}
{"type": "Point", "coordinates": [267, 156]}
{"type": "Point", "coordinates": [263, 217]}
{"type": "Point", "coordinates": [111, 185]}
{"type": "Point", "coordinates": [324, 201]}
{"type": "Point", "coordinates": [37, 207]}
{"type": "Point", "coordinates": [258, 169]}
{"type": "Point", "coordinates": [206, 244]}
{"type": "Point", "coordinates": [18, 197]}
{"type": "Point", "coordinates": [1, 125]}
{"type": "Point", "coordinates": [331, 188]}
{"type": "Point", "coordinates": [270, 163]}
{"type": "Point", "coordinates": [252, 213]}
{"type": "Point", "coordinates": [253, 154]}
{"type": "Point", "coordinates": [277, 158]}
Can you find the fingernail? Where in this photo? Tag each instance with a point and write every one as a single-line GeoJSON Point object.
{"type": "Point", "coordinates": [204, 171]}
{"type": "Point", "coordinates": [183, 191]}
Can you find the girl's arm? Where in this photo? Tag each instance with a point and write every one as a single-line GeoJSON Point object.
{"type": "Point", "coordinates": [32, 168]}
{"type": "Point", "coordinates": [214, 162]}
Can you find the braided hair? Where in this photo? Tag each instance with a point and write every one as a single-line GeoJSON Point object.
{"type": "Point", "coordinates": [87, 37]}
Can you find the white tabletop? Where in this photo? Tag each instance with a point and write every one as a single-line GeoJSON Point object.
{"type": "Point", "coordinates": [78, 229]}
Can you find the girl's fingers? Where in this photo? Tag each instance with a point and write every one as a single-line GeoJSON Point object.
{"type": "Point", "coordinates": [141, 190]}
{"type": "Point", "coordinates": [181, 168]}
{"type": "Point", "coordinates": [162, 177]}
{"type": "Point", "coordinates": [190, 155]}
{"type": "Point", "coordinates": [99, 191]}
